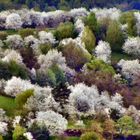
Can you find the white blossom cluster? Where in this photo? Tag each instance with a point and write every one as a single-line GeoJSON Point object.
{"type": "Point", "coordinates": [111, 13]}
{"type": "Point", "coordinates": [12, 55]}
{"type": "Point", "coordinates": [103, 51]}
{"type": "Point", "coordinates": [51, 58]}
{"type": "Point", "coordinates": [16, 121]}
{"type": "Point", "coordinates": [3, 123]}
{"type": "Point", "coordinates": [129, 68]}
{"type": "Point", "coordinates": [79, 12]}
{"type": "Point", "coordinates": [14, 41]}
{"type": "Point", "coordinates": [137, 16]}
{"type": "Point", "coordinates": [16, 85]}
{"type": "Point", "coordinates": [46, 37]}
{"type": "Point", "coordinates": [132, 46]}
{"type": "Point", "coordinates": [13, 21]}
{"type": "Point", "coordinates": [85, 101]}
{"type": "Point", "coordinates": [42, 100]}
{"type": "Point", "coordinates": [31, 41]}
{"type": "Point", "coordinates": [3, 128]}
{"type": "Point", "coordinates": [54, 122]}
{"type": "Point", "coordinates": [28, 135]}
{"type": "Point", "coordinates": [79, 25]}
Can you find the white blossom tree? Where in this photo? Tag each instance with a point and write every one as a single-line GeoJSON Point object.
{"type": "Point", "coordinates": [31, 41]}
{"type": "Point", "coordinates": [132, 46]}
{"type": "Point", "coordinates": [111, 13]}
{"type": "Point", "coordinates": [51, 58]}
{"type": "Point", "coordinates": [103, 51]}
{"type": "Point", "coordinates": [13, 21]}
{"type": "Point", "coordinates": [85, 101]}
{"type": "Point", "coordinates": [46, 37]}
{"type": "Point", "coordinates": [129, 68]}
{"type": "Point", "coordinates": [42, 100]}
{"type": "Point", "coordinates": [12, 55]}
{"type": "Point", "coordinates": [78, 12]}
{"type": "Point", "coordinates": [16, 85]}
{"type": "Point", "coordinates": [14, 41]}
{"type": "Point", "coordinates": [54, 122]}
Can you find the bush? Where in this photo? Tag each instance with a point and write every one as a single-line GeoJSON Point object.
{"type": "Point", "coordinates": [129, 19]}
{"type": "Point", "coordinates": [64, 30]}
{"type": "Point", "coordinates": [4, 71]}
{"type": "Point", "coordinates": [17, 70]}
{"type": "Point", "coordinates": [26, 32]}
{"type": "Point", "coordinates": [7, 70]}
{"type": "Point", "coordinates": [90, 136]}
{"type": "Point", "coordinates": [89, 39]}
{"type": "Point", "coordinates": [91, 21]}
{"type": "Point", "coordinates": [100, 65]}
{"type": "Point", "coordinates": [75, 56]}
{"type": "Point", "coordinates": [56, 76]}
{"type": "Point", "coordinates": [44, 48]}
{"type": "Point", "coordinates": [3, 35]}
{"type": "Point", "coordinates": [22, 98]}
{"type": "Point", "coordinates": [18, 133]}
{"type": "Point", "coordinates": [115, 36]}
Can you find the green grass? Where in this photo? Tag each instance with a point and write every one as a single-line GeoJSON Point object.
{"type": "Point", "coordinates": [8, 104]}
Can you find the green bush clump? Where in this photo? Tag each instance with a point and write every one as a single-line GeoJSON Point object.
{"type": "Point", "coordinates": [18, 133]}
{"type": "Point", "coordinates": [26, 32]}
{"type": "Point", "coordinates": [44, 48]}
{"type": "Point", "coordinates": [129, 19]}
{"type": "Point", "coordinates": [21, 99]}
{"type": "Point", "coordinates": [64, 30]}
{"type": "Point", "coordinates": [91, 21]}
{"type": "Point", "coordinates": [56, 76]}
{"type": "Point", "coordinates": [115, 36]}
{"type": "Point", "coordinates": [75, 56]}
{"type": "Point", "coordinates": [17, 70]}
{"type": "Point", "coordinates": [90, 136]}
{"type": "Point", "coordinates": [99, 65]}
{"type": "Point", "coordinates": [3, 35]}
{"type": "Point", "coordinates": [7, 70]}
{"type": "Point", "coordinates": [89, 39]}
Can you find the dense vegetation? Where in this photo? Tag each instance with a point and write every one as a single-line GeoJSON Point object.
{"type": "Point", "coordinates": [47, 5]}
{"type": "Point", "coordinates": [70, 75]}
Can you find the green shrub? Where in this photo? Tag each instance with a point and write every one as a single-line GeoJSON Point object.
{"type": "Point", "coordinates": [26, 32]}
{"type": "Point", "coordinates": [115, 36]}
{"type": "Point", "coordinates": [129, 19]}
{"type": "Point", "coordinates": [21, 99]}
{"type": "Point", "coordinates": [4, 71]}
{"type": "Point", "coordinates": [126, 125]}
{"type": "Point", "coordinates": [75, 56]}
{"type": "Point", "coordinates": [91, 21]}
{"type": "Point", "coordinates": [3, 35]}
{"type": "Point", "coordinates": [99, 65]}
{"type": "Point", "coordinates": [56, 76]}
{"type": "Point", "coordinates": [44, 48]}
{"type": "Point", "coordinates": [90, 136]}
{"type": "Point", "coordinates": [64, 30]}
{"type": "Point", "coordinates": [18, 133]}
{"type": "Point", "coordinates": [17, 70]}
{"type": "Point", "coordinates": [89, 39]}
